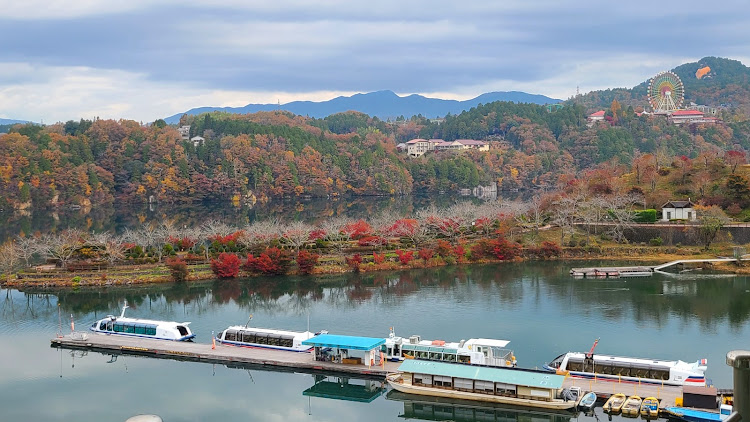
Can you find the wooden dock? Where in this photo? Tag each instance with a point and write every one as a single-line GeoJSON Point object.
{"type": "Point", "coordinates": [639, 271]}
{"type": "Point", "coordinates": [225, 355]}
{"type": "Point", "coordinates": [667, 394]}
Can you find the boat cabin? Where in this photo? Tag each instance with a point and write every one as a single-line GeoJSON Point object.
{"type": "Point", "coordinates": [145, 328]}
{"type": "Point", "coordinates": [265, 338]}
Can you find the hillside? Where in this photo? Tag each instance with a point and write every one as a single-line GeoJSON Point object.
{"type": "Point", "coordinates": [727, 84]}
{"type": "Point", "coordinates": [382, 104]}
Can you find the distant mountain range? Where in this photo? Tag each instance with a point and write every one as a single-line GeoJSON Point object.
{"type": "Point", "coordinates": [383, 104]}
{"type": "Point", "coordinates": [11, 121]}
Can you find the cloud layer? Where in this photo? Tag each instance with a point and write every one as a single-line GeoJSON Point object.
{"type": "Point", "coordinates": [148, 59]}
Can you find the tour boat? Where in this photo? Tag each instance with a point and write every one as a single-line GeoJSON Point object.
{"type": "Point", "coordinates": [624, 369]}
{"type": "Point", "coordinates": [144, 328]}
{"type": "Point", "coordinates": [264, 338]}
{"type": "Point", "coordinates": [614, 403]}
{"type": "Point", "coordinates": [475, 351]}
{"type": "Point", "coordinates": [587, 401]}
{"type": "Point", "coordinates": [650, 407]}
{"type": "Point", "coordinates": [632, 406]}
{"type": "Point", "coordinates": [487, 384]}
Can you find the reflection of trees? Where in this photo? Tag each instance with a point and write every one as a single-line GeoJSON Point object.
{"type": "Point", "coordinates": [710, 301]}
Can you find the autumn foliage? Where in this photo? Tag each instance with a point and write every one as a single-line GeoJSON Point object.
{"type": "Point", "coordinates": [226, 265]}
{"type": "Point", "coordinates": [378, 258]}
{"type": "Point", "coordinates": [272, 261]}
{"type": "Point", "coordinates": [404, 257]}
{"type": "Point", "coordinates": [354, 262]}
{"type": "Point", "coordinates": [358, 229]}
{"type": "Point", "coordinates": [177, 269]}
{"type": "Point", "coordinates": [306, 261]}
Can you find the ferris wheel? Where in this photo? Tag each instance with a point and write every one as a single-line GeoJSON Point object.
{"type": "Point", "coordinates": [665, 92]}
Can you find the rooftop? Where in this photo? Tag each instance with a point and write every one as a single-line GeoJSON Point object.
{"type": "Point", "coordinates": [508, 376]}
{"type": "Point", "coordinates": [345, 342]}
{"type": "Point", "coordinates": [687, 113]}
{"type": "Point", "coordinates": [599, 113]}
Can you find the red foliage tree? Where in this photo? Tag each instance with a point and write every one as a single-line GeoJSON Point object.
{"type": "Point", "coordinates": [177, 268]}
{"type": "Point", "coordinates": [354, 262]}
{"type": "Point", "coordinates": [505, 250]}
{"type": "Point", "coordinates": [426, 254]}
{"type": "Point", "coordinates": [403, 227]}
{"type": "Point", "coordinates": [444, 248]}
{"type": "Point", "coordinates": [271, 261]}
{"type": "Point", "coordinates": [378, 258]}
{"type": "Point", "coordinates": [358, 229]}
{"type": "Point", "coordinates": [306, 261]}
{"type": "Point", "coordinates": [404, 257]}
{"type": "Point", "coordinates": [372, 241]}
{"type": "Point", "coordinates": [317, 234]}
{"type": "Point", "coordinates": [227, 265]}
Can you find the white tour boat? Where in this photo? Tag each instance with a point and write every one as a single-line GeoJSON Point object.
{"type": "Point", "coordinates": [495, 385]}
{"type": "Point", "coordinates": [145, 328]}
{"type": "Point", "coordinates": [475, 351]}
{"type": "Point", "coordinates": [624, 369]}
{"type": "Point", "coordinates": [244, 336]}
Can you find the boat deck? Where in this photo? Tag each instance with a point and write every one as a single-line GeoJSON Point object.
{"type": "Point", "coordinates": [227, 355]}
{"type": "Point", "coordinates": [604, 389]}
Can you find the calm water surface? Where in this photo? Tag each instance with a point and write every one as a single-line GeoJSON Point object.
{"type": "Point", "coordinates": [537, 306]}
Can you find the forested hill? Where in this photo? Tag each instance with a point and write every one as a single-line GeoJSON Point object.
{"type": "Point", "coordinates": [382, 104]}
{"type": "Point", "coordinates": [279, 154]}
{"type": "Point", "coordinates": [722, 82]}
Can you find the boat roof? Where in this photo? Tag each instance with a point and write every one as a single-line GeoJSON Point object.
{"type": "Point", "coordinates": [642, 361]}
{"type": "Point", "coordinates": [488, 342]}
{"type": "Point", "coordinates": [270, 331]}
{"type": "Point", "coordinates": [143, 321]}
{"type": "Point", "coordinates": [345, 342]}
{"type": "Point", "coordinates": [508, 376]}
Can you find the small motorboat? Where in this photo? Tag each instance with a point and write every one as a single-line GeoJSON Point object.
{"type": "Point", "coordinates": [587, 401]}
{"type": "Point", "coordinates": [632, 406]}
{"type": "Point", "coordinates": [696, 415]}
{"type": "Point", "coordinates": [650, 408]}
{"type": "Point", "coordinates": [614, 403]}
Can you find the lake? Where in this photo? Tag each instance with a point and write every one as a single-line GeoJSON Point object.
{"type": "Point", "coordinates": [537, 306]}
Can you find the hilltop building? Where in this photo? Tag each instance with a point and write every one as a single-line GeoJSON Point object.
{"type": "Point", "coordinates": [678, 210]}
{"type": "Point", "coordinates": [418, 147]}
{"type": "Point", "coordinates": [595, 117]}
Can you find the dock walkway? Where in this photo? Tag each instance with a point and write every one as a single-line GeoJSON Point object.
{"type": "Point", "coordinates": [225, 355]}
{"type": "Point", "coordinates": [638, 271]}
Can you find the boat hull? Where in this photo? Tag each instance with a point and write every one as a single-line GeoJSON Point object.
{"type": "Point", "coordinates": [109, 333]}
{"type": "Point", "coordinates": [465, 395]}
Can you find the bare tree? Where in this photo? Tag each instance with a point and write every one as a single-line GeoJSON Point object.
{"type": "Point", "coordinates": [9, 258]}
{"type": "Point", "coordinates": [564, 215]}
{"type": "Point", "coordinates": [297, 234]}
{"type": "Point", "coordinates": [113, 246]}
{"type": "Point", "coordinates": [620, 209]}
{"type": "Point", "coordinates": [26, 247]}
{"type": "Point", "coordinates": [335, 232]}
{"type": "Point", "coordinates": [712, 219]}
{"type": "Point", "coordinates": [62, 246]}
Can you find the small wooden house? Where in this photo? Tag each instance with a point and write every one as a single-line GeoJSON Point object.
{"type": "Point", "coordinates": [678, 210]}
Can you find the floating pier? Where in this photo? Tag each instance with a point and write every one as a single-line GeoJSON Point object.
{"type": "Point", "coordinates": [667, 394]}
{"type": "Point", "coordinates": [638, 271]}
{"type": "Point", "coordinates": [221, 354]}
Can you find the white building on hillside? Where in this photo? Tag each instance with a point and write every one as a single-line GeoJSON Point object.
{"type": "Point", "coordinates": [678, 210]}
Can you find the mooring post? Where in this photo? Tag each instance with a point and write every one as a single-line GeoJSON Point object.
{"type": "Point", "coordinates": [739, 360]}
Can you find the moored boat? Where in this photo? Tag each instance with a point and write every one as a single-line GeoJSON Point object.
{"type": "Point", "coordinates": [625, 369]}
{"type": "Point", "coordinates": [265, 338]}
{"type": "Point", "coordinates": [143, 328]}
{"type": "Point", "coordinates": [497, 385]}
{"type": "Point", "coordinates": [698, 415]}
{"type": "Point", "coordinates": [650, 408]}
{"type": "Point", "coordinates": [614, 403]}
{"type": "Point", "coordinates": [632, 406]}
{"type": "Point", "coordinates": [475, 351]}
{"type": "Point", "coordinates": [588, 401]}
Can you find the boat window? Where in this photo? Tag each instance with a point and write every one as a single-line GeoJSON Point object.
{"type": "Point", "coordinates": [151, 330]}
{"type": "Point", "coordinates": [464, 359]}
{"type": "Point", "coordinates": [247, 337]}
{"type": "Point", "coordinates": [261, 338]}
{"type": "Point", "coordinates": [129, 328]}
{"type": "Point", "coordinates": [230, 335]}
{"type": "Point", "coordinates": [483, 386]}
{"type": "Point", "coordinates": [273, 340]}
{"type": "Point", "coordinates": [504, 389]}
{"type": "Point", "coordinates": [118, 328]}
{"type": "Point", "coordinates": [423, 379]}
{"type": "Point", "coordinates": [140, 329]}
{"type": "Point", "coordinates": [574, 365]}
{"type": "Point", "coordinates": [441, 381]}
{"type": "Point", "coordinates": [557, 361]}
{"type": "Point", "coordinates": [603, 369]}
{"type": "Point", "coordinates": [464, 384]}
{"type": "Point", "coordinates": [435, 355]}
{"type": "Point", "coordinates": [103, 326]}
{"type": "Point", "coordinates": [450, 357]}
{"type": "Point", "coordinates": [183, 330]}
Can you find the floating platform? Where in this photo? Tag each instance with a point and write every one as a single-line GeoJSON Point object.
{"type": "Point", "coordinates": [666, 394]}
{"type": "Point", "coordinates": [611, 272]}
{"type": "Point", "coordinates": [225, 355]}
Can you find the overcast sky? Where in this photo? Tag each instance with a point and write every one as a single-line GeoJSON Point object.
{"type": "Point", "coordinates": [144, 60]}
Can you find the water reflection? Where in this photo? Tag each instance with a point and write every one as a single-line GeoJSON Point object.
{"type": "Point", "coordinates": [442, 409]}
{"type": "Point", "coordinates": [345, 388]}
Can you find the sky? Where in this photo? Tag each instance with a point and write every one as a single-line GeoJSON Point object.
{"type": "Point", "coordinates": [144, 60]}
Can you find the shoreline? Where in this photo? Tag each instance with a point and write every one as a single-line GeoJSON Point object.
{"type": "Point", "coordinates": [159, 273]}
